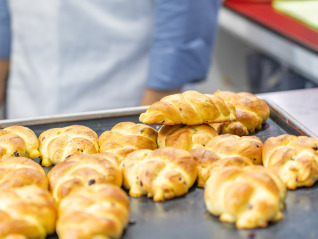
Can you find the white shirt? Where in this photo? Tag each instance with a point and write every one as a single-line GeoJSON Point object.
{"type": "Point", "coordinates": [43, 77]}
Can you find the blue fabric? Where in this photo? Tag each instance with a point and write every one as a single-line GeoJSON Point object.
{"type": "Point", "coordinates": [183, 39]}
{"type": "Point", "coordinates": [5, 35]}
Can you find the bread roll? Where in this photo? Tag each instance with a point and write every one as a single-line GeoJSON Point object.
{"type": "Point", "coordinates": [251, 196]}
{"type": "Point", "coordinates": [26, 212]}
{"type": "Point", "coordinates": [21, 171]}
{"type": "Point", "coordinates": [57, 144]}
{"type": "Point", "coordinates": [98, 211]}
{"type": "Point", "coordinates": [83, 170]}
{"type": "Point", "coordinates": [29, 137]}
{"type": "Point", "coordinates": [251, 113]}
{"type": "Point", "coordinates": [185, 137]}
{"type": "Point", "coordinates": [162, 174]}
{"type": "Point", "coordinates": [190, 108]}
{"type": "Point", "coordinates": [209, 162]}
{"type": "Point", "coordinates": [228, 145]}
{"type": "Point", "coordinates": [293, 158]}
{"type": "Point", "coordinates": [126, 137]}
{"type": "Point", "coordinates": [11, 144]}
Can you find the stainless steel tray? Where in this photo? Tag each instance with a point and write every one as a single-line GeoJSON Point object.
{"type": "Point", "coordinates": [187, 217]}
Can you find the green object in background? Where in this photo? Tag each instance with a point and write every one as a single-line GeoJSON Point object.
{"type": "Point", "coordinates": [305, 11]}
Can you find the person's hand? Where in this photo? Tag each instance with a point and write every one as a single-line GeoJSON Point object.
{"type": "Point", "coordinates": [152, 95]}
{"type": "Point", "coordinates": [4, 70]}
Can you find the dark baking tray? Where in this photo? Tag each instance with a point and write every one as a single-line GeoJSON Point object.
{"type": "Point", "coordinates": [187, 217]}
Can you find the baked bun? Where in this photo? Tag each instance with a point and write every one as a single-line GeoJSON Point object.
{"type": "Point", "coordinates": [162, 174]}
{"type": "Point", "coordinates": [21, 171]}
{"type": "Point", "coordinates": [293, 158]}
{"type": "Point", "coordinates": [185, 137]}
{"type": "Point", "coordinates": [251, 113]}
{"type": "Point", "coordinates": [208, 162]}
{"type": "Point", "coordinates": [250, 196]}
{"type": "Point", "coordinates": [97, 211]}
{"type": "Point", "coordinates": [229, 145]}
{"type": "Point", "coordinates": [30, 139]}
{"type": "Point", "coordinates": [57, 144]}
{"type": "Point", "coordinates": [126, 137]}
{"type": "Point", "coordinates": [18, 141]}
{"type": "Point", "coordinates": [26, 212]}
{"type": "Point", "coordinates": [190, 108]}
{"type": "Point", "coordinates": [83, 170]}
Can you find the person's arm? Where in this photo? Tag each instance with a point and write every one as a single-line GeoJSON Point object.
{"type": "Point", "coordinates": [182, 45]}
{"type": "Point", "coordinates": [5, 38]}
{"type": "Point", "coordinates": [4, 70]}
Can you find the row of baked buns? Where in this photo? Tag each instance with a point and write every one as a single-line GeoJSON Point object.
{"type": "Point", "coordinates": [235, 189]}
{"type": "Point", "coordinates": [84, 199]}
{"type": "Point", "coordinates": [166, 163]}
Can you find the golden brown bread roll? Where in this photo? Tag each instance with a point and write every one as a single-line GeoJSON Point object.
{"type": "Point", "coordinates": [208, 162]}
{"type": "Point", "coordinates": [293, 158]}
{"type": "Point", "coordinates": [250, 196]}
{"type": "Point", "coordinates": [126, 137]}
{"type": "Point", "coordinates": [185, 137]}
{"type": "Point", "coordinates": [83, 170]}
{"type": "Point", "coordinates": [21, 171]}
{"type": "Point", "coordinates": [98, 211]}
{"type": "Point", "coordinates": [57, 144]}
{"type": "Point", "coordinates": [190, 108]}
{"type": "Point", "coordinates": [18, 141]}
{"type": "Point", "coordinates": [162, 174]}
{"type": "Point", "coordinates": [251, 113]}
{"type": "Point", "coordinates": [228, 145]}
{"type": "Point", "coordinates": [29, 137]}
{"type": "Point", "coordinates": [26, 212]}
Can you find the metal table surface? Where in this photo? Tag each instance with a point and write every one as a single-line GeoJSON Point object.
{"type": "Point", "coordinates": [186, 217]}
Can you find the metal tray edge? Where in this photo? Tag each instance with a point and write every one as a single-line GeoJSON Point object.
{"type": "Point", "coordinates": [74, 116]}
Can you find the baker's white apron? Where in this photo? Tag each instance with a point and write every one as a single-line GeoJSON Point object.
{"type": "Point", "coordinates": [77, 55]}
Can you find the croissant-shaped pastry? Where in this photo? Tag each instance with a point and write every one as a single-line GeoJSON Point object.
{"type": "Point", "coordinates": [162, 174]}
{"type": "Point", "coordinates": [97, 211]}
{"type": "Point", "coordinates": [185, 137]}
{"type": "Point", "coordinates": [126, 137]}
{"type": "Point", "coordinates": [83, 170]}
{"type": "Point", "coordinates": [251, 113]}
{"type": "Point", "coordinates": [251, 196]}
{"type": "Point", "coordinates": [229, 145]}
{"type": "Point", "coordinates": [209, 162]}
{"type": "Point", "coordinates": [30, 139]}
{"type": "Point", "coordinates": [293, 158]}
{"type": "Point", "coordinates": [21, 171]}
{"type": "Point", "coordinates": [26, 212]}
{"type": "Point", "coordinates": [190, 108]}
{"type": "Point", "coordinates": [57, 144]}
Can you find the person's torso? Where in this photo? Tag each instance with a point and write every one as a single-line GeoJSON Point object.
{"type": "Point", "coordinates": [77, 55]}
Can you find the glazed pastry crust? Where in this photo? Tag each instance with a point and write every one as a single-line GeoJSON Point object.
{"type": "Point", "coordinates": [29, 137]}
{"type": "Point", "coordinates": [227, 145]}
{"type": "Point", "coordinates": [162, 174]}
{"type": "Point", "coordinates": [26, 212]}
{"type": "Point", "coordinates": [21, 171]}
{"type": "Point", "coordinates": [97, 211]}
{"type": "Point", "coordinates": [293, 158]}
{"type": "Point", "coordinates": [83, 170]}
{"type": "Point", "coordinates": [126, 137]}
{"type": "Point", "coordinates": [209, 162]}
{"type": "Point", "coordinates": [57, 144]}
{"type": "Point", "coordinates": [185, 137]}
{"type": "Point", "coordinates": [11, 144]}
{"type": "Point", "coordinates": [250, 196]}
{"type": "Point", "coordinates": [251, 113]}
{"type": "Point", "coordinates": [189, 108]}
